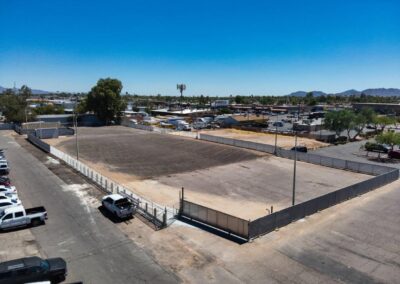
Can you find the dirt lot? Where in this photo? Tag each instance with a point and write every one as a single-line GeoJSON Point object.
{"type": "Point", "coordinates": [286, 142]}
{"type": "Point", "coordinates": [236, 181]}
{"type": "Point", "coordinates": [143, 154]}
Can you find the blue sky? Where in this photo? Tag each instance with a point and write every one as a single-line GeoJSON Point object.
{"type": "Point", "coordinates": [215, 47]}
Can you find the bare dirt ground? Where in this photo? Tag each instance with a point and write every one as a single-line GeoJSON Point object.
{"type": "Point", "coordinates": [143, 154]}
{"type": "Point", "coordinates": [239, 182]}
{"type": "Point", "coordinates": [286, 142]}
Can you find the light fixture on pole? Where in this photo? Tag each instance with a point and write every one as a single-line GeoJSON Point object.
{"type": "Point", "coordinates": [181, 88]}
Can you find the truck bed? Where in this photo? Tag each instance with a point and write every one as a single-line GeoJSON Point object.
{"type": "Point", "coordinates": [35, 210]}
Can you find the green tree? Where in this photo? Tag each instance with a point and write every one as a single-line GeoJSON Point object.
{"type": "Point", "coordinates": [310, 100]}
{"type": "Point", "coordinates": [48, 109]}
{"type": "Point", "coordinates": [361, 119]}
{"type": "Point", "coordinates": [105, 101]}
{"type": "Point", "coordinates": [338, 121]}
{"type": "Point", "coordinates": [15, 106]}
{"type": "Point", "coordinates": [381, 122]}
{"type": "Point", "coordinates": [240, 99]}
{"type": "Point", "coordinates": [390, 138]}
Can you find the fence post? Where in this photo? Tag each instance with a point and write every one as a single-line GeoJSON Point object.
{"type": "Point", "coordinates": [182, 197]}
{"type": "Point", "coordinates": [146, 207]}
{"type": "Point", "coordinates": [112, 187]}
{"type": "Point", "coordinates": [155, 214]}
{"type": "Point", "coordinates": [165, 217]}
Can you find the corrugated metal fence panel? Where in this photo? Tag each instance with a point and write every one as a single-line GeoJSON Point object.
{"type": "Point", "coordinates": [281, 218]}
{"type": "Point", "coordinates": [216, 219]}
{"type": "Point", "coordinates": [39, 143]}
{"type": "Point", "coordinates": [262, 225]}
{"type": "Point", "coordinates": [6, 126]}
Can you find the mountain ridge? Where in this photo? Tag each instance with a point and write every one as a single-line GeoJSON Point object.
{"type": "Point", "coordinates": [381, 92]}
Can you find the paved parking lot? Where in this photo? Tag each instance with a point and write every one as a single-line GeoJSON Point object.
{"type": "Point", "coordinates": [354, 151]}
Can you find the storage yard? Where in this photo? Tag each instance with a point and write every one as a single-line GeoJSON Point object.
{"type": "Point", "coordinates": [240, 182]}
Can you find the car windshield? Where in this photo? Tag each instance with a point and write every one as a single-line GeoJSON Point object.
{"type": "Point", "coordinates": [122, 201]}
{"type": "Point", "coordinates": [44, 265]}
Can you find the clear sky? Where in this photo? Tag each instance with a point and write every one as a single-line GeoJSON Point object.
{"type": "Point", "coordinates": [216, 47]}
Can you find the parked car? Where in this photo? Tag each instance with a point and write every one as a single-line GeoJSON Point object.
{"type": "Point", "coordinates": [278, 124]}
{"type": "Point", "coordinates": [18, 216]}
{"type": "Point", "coordinates": [302, 149]}
{"type": "Point", "coordinates": [7, 189]}
{"type": "Point", "coordinates": [33, 269]}
{"type": "Point", "coordinates": [7, 203]}
{"type": "Point", "coordinates": [5, 181]}
{"type": "Point", "coordinates": [4, 169]}
{"type": "Point", "coordinates": [118, 205]}
{"type": "Point", "coordinates": [11, 196]}
{"type": "Point", "coordinates": [375, 147]}
{"type": "Point", "coordinates": [394, 154]}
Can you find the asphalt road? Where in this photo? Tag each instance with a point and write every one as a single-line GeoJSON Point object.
{"type": "Point", "coordinates": [95, 249]}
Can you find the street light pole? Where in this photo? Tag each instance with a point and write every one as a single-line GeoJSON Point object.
{"type": "Point", "coordinates": [76, 128]}
{"type": "Point", "coordinates": [276, 135]}
{"type": "Point", "coordinates": [294, 169]}
{"type": "Point", "coordinates": [295, 160]}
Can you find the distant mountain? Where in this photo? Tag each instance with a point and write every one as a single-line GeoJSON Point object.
{"type": "Point", "coordinates": [382, 92]}
{"type": "Point", "coordinates": [303, 94]}
{"type": "Point", "coordinates": [34, 92]}
{"type": "Point", "coordinates": [298, 94]}
{"type": "Point", "coordinates": [351, 92]}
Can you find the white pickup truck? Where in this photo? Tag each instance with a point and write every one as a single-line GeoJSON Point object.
{"type": "Point", "coordinates": [118, 205]}
{"type": "Point", "coordinates": [18, 216]}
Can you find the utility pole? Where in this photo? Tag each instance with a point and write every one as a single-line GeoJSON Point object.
{"type": "Point", "coordinates": [294, 169]}
{"type": "Point", "coordinates": [295, 160]}
{"type": "Point", "coordinates": [181, 88]}
{"type": "Point", "coordinates": [76, 127]}
{"type": "Point", "coordinates": [276, 135]}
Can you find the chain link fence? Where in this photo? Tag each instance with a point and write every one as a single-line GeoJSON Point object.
{"type": "Point", "coordinates": [160, 215]}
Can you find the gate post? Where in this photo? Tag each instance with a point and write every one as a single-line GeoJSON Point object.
{"type": "Point", "coordinates": [165, 217]}
{"type": "Point", "coordinates": [182, 197]}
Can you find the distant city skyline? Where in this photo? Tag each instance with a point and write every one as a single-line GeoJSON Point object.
{"type": "Point", "coordinates": [214, 47]}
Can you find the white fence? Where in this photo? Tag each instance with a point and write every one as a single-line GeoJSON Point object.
{"type": "Point", "coordinates": [161, 216]}
{"type": "Point", "coordinates": [153, 211]}
{"type": "Point", "coordinates": [141, 127]}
